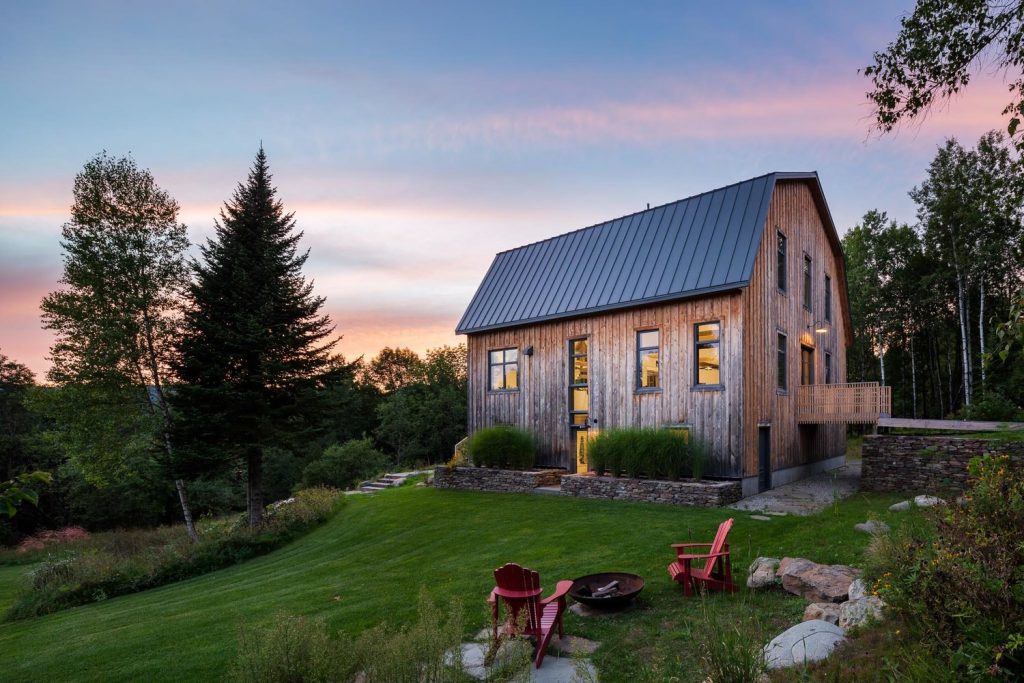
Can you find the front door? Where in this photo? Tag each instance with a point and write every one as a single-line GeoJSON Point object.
{"type": "Point", "coordinates": [579, 401]}
{"type": "Point", "coordinates": [764, 458]}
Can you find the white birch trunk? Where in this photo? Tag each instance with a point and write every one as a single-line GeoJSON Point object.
{"type": "Point", "coordinates": [881, 359]}
{"type": "Point", "coordinates": [964, 352]}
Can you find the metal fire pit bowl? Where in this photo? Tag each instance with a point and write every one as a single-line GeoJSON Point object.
{"type": "Point", "coordinates": [629, 587]}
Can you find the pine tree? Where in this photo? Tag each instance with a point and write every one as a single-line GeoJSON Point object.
{"type": "Point", "coordinates": [255, 345]}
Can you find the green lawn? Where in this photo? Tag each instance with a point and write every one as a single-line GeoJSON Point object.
{"type": "Point", "coordinates": [368, 564]}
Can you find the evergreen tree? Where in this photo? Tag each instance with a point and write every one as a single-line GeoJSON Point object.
{"type": "Point", "coordinates": [255, 347]}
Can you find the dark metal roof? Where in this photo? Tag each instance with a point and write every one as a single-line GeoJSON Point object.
{"type": "Point", "coordinates": [698, 245]}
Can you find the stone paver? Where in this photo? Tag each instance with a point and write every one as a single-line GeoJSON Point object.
{"type": "Point", "coordinates": [808, 641]}
{"type": "Point", "coordinates": [807, 496]}
{"type": "Point", "coordinates": [559, 665]}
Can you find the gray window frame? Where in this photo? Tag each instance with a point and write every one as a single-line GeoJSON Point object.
{"type": "Point", "coordinates": [828, 299]}
{"type": "Point", "coordinates": [504, 369]}
{"type": "Point", "coordinates": [697, 344]}
{"type": "Point", "coordinates": [781, 256]}
{"type": "Point", "coordinates": [828, 368]}
{"type": "Point", "coordinates": [639, 368]}
{"type": "Point", "coordinates": [781, 355]}
{"type": "Point", "coordinates": [808, 279]}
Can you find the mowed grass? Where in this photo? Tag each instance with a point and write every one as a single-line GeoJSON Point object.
{"type": "Point", "coordinates": [368, 564]}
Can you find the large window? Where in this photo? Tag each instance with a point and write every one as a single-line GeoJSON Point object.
{"type": "Point", "coordinates": [647, 352]}
{"type": "Point", "coordinates": [707, 350]}
{"type": "Point", "coordinates": [504, 369]}
{"type": "Point", "coordinates": [807, 282]}
{"type": "Point", "coordinates": [828, 298]}
{"type": "Point", "coordinates": [781, 358]}
{"type": "Point", "coordinates": [780, 268]}
{"type": "Point", "coordinates": [579, 383]}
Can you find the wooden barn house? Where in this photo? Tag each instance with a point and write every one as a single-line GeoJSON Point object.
{"type": "Point", "coordinates": [724, 313]}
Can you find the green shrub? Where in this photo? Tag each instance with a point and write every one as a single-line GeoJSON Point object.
{"type": "Point", "coordinates": [342, 466]}
{"type": "Point", "coordinates": [655, 453]}
{"type": "Point", "coordinates": [116, 563]}
{"type": "Point", "coordinates": [992, 406]}
{"type": "Point", "coordinates": [292, 649]}
{"type": "Point", "coordinates": [961, 571]}
{"type": "Point", "coordinates": [502, 446]}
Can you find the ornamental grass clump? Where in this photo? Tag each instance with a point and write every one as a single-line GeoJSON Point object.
{"type": "Point", "coordinates": [959, 573]}
{"type": "Point", "coordinates": [654, 453]}
{"type": "Point", "coordinates": [508, 447]}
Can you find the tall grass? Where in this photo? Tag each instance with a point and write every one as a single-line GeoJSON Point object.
{"type": "Point", "coordinates": [502, 446]}
{"type": "Point", "coordinates": [654, 453]}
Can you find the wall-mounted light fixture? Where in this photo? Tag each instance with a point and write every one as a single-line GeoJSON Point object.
{"type": "Point", "coordinates": [820, 327]}
{"type": "Point", "coordinates": [528, 351]}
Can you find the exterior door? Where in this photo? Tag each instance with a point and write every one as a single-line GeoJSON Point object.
{"type": "Point", "coordinates": [806, 365]}
{"type": "Point", "coordinates": [579, 401]}
{"type": "Point", "coordinates": [764, 458]}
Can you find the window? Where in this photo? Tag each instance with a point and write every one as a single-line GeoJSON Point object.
{"type": "Point", "coordinates": [707, 343]}
{"type": "Point", "coordinates": [806, 365]}
{"type": "Point", "coordinates": [781, 369]}
{"type": "Point", "coordinates": [579, 383]}
{"type": "Point", "coordinates": [807, 282]}
{"type": "Point", "coordinates": [680, 430]}
{"type": "Point", "coordinates": [780, 267]}
{"type": "Point", "coordinates": [504, 366]}
{"type": "Point", "coordinates": [828, 298]}
{"type": "Point", "coordinates": [647, 349]}
{"type": "Point", "coordinates": [828, 368]}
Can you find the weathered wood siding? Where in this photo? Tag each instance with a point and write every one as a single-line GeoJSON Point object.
{"type": "Point", "coordinates": [768, 311]}
{"type": "Point", "coordinates": [541, 403]}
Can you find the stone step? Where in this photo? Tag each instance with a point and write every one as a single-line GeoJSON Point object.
{"type": "Point", "coordinates": [548, 490]}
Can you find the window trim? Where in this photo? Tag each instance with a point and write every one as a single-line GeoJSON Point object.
{"type": "Point", "coordinates": [575, 385]}
{"type": "Point", "coordinates": [503, 365]}
{"type": "Point", "coordinates": [828, 368]}
{"type": "Point", "coordinates": [781, 249]}
{"type": "Point", "coordinates": [808, 278]}
{"type": "Point", "coordinates": [697, 344]}
{"type": "Point", "coordinates": [637, 388]}
{"type": "Point", "coordinates": [781, 349]}
{"type": "Point", "coordinates": [828, 298]}
{"type": "Point", "coordinates": [808, 350]}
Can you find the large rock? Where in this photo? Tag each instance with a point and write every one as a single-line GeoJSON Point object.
{"type": "Point", "coordinates": [900, 506]}
{"type": "Point", "coordinates": [928, 501]}
{"type": "Point", "coordinates": [857, 612]}
{"type": "Point", "coordinates": [762, 573]}
{"type": "Point", "coordinates": [857, 590]}
{"type": "Point", "coordinates": [808, 641]}
{"type": "Point", "coordinates": [873, 527]}
{"type": "Point", "coordinates": [826, 611]}
{"type": "Point", "coordinates": [816, 582]}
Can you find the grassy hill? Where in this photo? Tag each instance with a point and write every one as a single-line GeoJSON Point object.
{"type": "Point", "coordinates": [367, 565]}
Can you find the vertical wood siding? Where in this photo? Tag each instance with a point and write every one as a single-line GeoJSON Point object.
{"type": "Point", "coordinates": [767, 312]}
{"type": "Point", "coordinates": [541, 403]}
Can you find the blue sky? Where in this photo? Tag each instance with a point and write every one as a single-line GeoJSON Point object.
{"type": "Point", "coordinates": [415, 140]}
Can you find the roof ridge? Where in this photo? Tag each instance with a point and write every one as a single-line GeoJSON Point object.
{"type": "Point", "coordinates": [652, 208]}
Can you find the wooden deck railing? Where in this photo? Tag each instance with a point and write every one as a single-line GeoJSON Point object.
{"type": "Point", "coordinates": [860, 402]}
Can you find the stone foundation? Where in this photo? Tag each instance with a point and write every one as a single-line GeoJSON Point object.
{"type": "Point", "coordinates": [705, 493]}
{"type": "Point", "coordinates": [925, 464]}
{"type": "Point", "coordinates": [489, 479]}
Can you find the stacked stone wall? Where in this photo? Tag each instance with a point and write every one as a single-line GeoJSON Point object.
{"type": "Point", "coordinates": [924, 464]}
{"type": "Point", "coordinates": [706, 493]}
{"type": "Point", "coordinates": [490, 479]}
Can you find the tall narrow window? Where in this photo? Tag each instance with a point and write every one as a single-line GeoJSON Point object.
{"type": "Point", "coordinates": [828, 368]}
{"type": "Point", "coordinates": [647, 354]}
{"type": "Point", "coordinates": [828, 298]}
{"type": "Point", "coordinates": [781, 358]}
{"type": "Point", "coordinates": [707, 347]}
{"type": "Point", "coordinates": [579, 383]}
{"type": "Point", "coordinates": [806, 365]}
{"type": "Point", "coordinates": [807, 282]}
{"type": "Point", "coordinates": [504, 369]}
{"type": "Point", "coordinates": [780, 268]}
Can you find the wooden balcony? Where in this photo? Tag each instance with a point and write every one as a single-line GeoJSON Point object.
{"type": "Point", "coordinates": [856, 403]}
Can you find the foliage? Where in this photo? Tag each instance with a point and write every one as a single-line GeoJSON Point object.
{"type": "Point", "coordinates": [727, 654]}
{"type": "Point", "coordinates": [101, 566]}
{"type": "Point", "coordinates": [16, 422]}
{"type": "Point", "coordinates": [1010, 332]}
{"type": "Point", "coordinates": [393, 369]}
{"type": "Point", "coordinates": [962, 573]}
{"type": "Point", "coordinates": [291, 650]}
{"type": "Point", "coordinates": [656, 453]}
{"type": "Point", "coordinates": [19, 490]}
{"type": "Point", "coordinates": [254, 350]}
{"type": "Point", "coordinates": [502, 446]}
{"type": "Point", "coordinates": [932, 57]}
{"type": "Point", "coordinates": [344, 465]}
{"type": "Point", "coordinates": [421, 422]}
{"type": "Point", "coordinates": [993, 406]}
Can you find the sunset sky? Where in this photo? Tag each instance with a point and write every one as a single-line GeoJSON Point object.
{"type": "Point", "coordinates": [415, 140]}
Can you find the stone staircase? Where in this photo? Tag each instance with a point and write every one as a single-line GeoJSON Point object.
{"type": "Point", "coordinates": [388, 481]}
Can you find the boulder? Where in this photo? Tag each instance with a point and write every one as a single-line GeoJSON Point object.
{"type": "Point", "coordinates": [928, 501]}
{"type": "Point", "coordinates": [873, 527]}
{"type": "Point", "coordinates": [900, 506]}
{"type": "Point", "coordinates": [826, 611]}
{"type": "Point", "coordinates": [816, 582]}
{"type": "Point", "coordinates": [857, 590]}
{"type": "Point", "coordinates": [857, 612]}
{"type": "Point", "coordinates": [762, 573]}
{"type": "Point", "coordinates": [808, 641]}
{"type": "Point", "coordinates": [761, 518]}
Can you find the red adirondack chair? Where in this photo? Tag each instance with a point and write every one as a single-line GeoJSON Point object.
{"type": "Point", "coordinates": [519, 588]}
{"type": "Point", "coordinates": [717, 571]}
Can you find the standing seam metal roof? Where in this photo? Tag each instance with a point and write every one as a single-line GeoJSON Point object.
{"type": "Point", "coordinates": [698, 245]}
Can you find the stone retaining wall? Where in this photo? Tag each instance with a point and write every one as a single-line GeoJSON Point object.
{"type": "Point", "coordinates": [489, 479]}
{"type": "Point", "coordinates": [700, 493]}
{"type": "Point", "coordinates": [925, 464]}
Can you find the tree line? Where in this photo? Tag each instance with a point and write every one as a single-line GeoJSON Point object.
{"type": "Point", "coordinates": [931, 301]}
{"type": "Point", "coordinates": [208, 375]}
